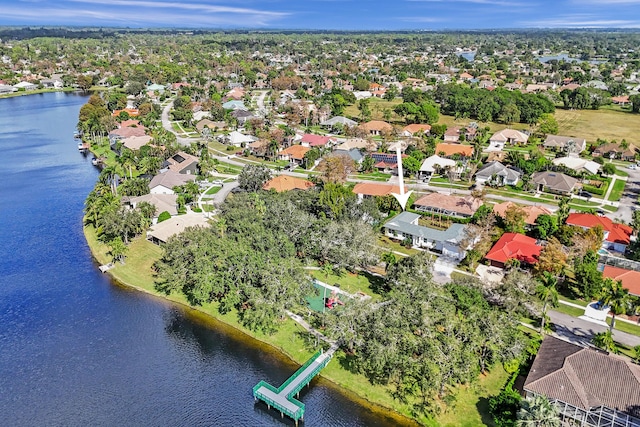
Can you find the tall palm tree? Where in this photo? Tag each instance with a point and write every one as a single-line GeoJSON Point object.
{"type": "Point", "coordinates": [616, 297]}
{"type": "Point", "coordinates": [538, 412]}
{"type": "Point", "coordinates": [548, 294]}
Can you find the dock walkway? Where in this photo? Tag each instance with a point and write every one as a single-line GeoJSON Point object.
{"type": "Point", "coordinates": [281, 398]}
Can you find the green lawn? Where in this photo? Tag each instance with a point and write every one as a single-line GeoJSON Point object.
{"type": "Point", "coordinates": [618, 189]}
{"type": "Point", "coordinates": [594, 124]}
{"type": "Point", "coordinates": [567, 309]}
{"type": "Point", "coordinates": [622, 173]}
{"type": "Point", "coordinates": [351, 282]}
{"type": "Point", "coordinates": [394, 245]}
{"type": "Point", "coordinates": [213, 190]}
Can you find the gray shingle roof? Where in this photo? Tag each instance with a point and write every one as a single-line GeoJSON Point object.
{"type": "Point", "coordinates": [403, 224]}
{"type": "Point", "coordinates": [497, 168]}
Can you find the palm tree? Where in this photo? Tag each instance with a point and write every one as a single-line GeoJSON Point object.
{"type": "Point", "coordinates": [538, 412]}
{"type": "Point", "coordinates": [616, 297]}
{"type": "Point", "coordinates": [548, 294]}
{"type": "Point", "coordinates": [389, 259]}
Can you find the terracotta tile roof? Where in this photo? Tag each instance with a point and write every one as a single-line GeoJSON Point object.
{"type": "Point", "coordinates": [584, 377]}
{"type": "Point", "coordinates": [618, 233]}
{"type": "Point", "coordinates": [515, 246]}
{"type": "Point", "coordinates": [133, 112]}
{"type": "Point", "coordinates": [295, 151]}
{"type": "Point", "coordinates": [282, 183]}
{"type": "Point", "coordinates": [533, 212]}
{"type": "Point", "coordinates": [181, 160]}
{"type": "Point", "coordinates": [377, 125]}
{"type": "Point", "coordinates": [128, 132]}
{"type": "Point", "coordinates": [462, 205]}
{"type": "Point", "coordinates": [131, 122]}
{"type": "Point", "coordinates": [416, 127]}
{"type": "Point", "coordinates": [451, 149]}
{"type": "Point", "coordinates": [630, 279]}
{"type": "Point", "coordinates": [373, 189]}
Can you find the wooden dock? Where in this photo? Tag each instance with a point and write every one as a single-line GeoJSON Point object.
{"type": "Point", "coordinates": [281, 398]}
{"type": "Point", "coordinates": [106, 267]}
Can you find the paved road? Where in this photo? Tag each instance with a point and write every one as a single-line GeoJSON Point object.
{"type": "Point", "coordinates": [262, 108]}
{"type": "Point", "coordinates": [581, 331]}
{"type": "Point", "coordinates": [166, 124]}
{"type": "Point", "coordinates": [629, 200]}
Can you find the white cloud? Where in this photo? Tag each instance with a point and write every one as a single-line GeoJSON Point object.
{"type": "Point", "coordinates": [484, 2]}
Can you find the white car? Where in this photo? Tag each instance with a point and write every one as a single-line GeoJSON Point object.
{"type": "Point", "coordinates": [632, 166]}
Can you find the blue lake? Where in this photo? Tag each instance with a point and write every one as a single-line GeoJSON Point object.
{"type": "Point", "coordinates": [78, 350]}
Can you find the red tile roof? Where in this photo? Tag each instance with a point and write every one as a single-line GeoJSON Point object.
{"type": "Point", "coordinates": [417, 127]}
{"type": "Point", "coordinates": [630, 279]}
{"type": "Point", "coordinates": [515, 246]}
{"type": "Point", "coordinates": [618, 233]}
{"type": "Point", "coordinates": [315, 140]}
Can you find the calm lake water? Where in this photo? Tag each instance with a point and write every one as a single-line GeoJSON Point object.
{"type": "Point", "coordinates": [77, 350]}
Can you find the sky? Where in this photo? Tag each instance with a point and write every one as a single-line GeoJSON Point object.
{"type": "Point", "coordinates": [325, 14]}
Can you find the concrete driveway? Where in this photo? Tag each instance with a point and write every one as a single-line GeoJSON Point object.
{"type": "Point", "coordinates": [629, 200]}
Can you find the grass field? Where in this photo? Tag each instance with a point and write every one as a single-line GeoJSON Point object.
{"type": "Point", "coordinates": [594, 124]}
{"type": "Point", "coordinates": [618, 189]}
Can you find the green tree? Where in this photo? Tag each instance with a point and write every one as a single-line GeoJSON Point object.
{"type": "Point", "coordinates": [546, 226]}
{"type": "Point", "coordinates": [117, 249]}
{"type": "Point", "coordinates": [635, 103]}
{"type": "Point", "coordinates": [547, 124]}
{"type": "Point", "coordinates": [604, 340]}
{"type": "Point", "coordinates": [253, 177]}
{"type": "Point", "coordinates": [563, 210]}
{"type": "Point", "coordinates": [609, 169]}
{"type": "Point", "coordinates": [365, 109]}
{"type": "Point", "coordinates": [548, 295]}
{"type": "Point", "coordinates": [538, 412]}
{"type": "Point", "coordinates": [616, 297]}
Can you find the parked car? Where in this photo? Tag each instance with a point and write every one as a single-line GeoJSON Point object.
{"type": "Point", "coordinates": [586, 194]}
{"type": "Point", "coordinates": [632, 166]}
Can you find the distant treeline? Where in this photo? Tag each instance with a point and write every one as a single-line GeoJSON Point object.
{"type": "Point", "coordinates": [499, 105]}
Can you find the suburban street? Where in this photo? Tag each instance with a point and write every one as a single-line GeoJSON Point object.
{"type": "Point", "coordinates": [581, 331]}
{"type": "Point", "coordinates": [629, 197]}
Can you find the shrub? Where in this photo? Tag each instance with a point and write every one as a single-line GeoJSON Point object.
{"type": "Point", "coordinates": [504, 407]}
{"type": "Point", "coordinates": [164, 216]}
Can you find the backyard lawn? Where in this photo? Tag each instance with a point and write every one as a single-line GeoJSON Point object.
{"type": "Point", "coordinates": [351, 282]}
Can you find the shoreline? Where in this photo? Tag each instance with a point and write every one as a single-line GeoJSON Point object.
{"type": "Point", "coordinates": [38, 92]}
{"type": "Point", "coordinates": [211, 319]}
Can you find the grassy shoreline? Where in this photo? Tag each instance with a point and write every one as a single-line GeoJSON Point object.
{"type": "Point", "coordinates": [288, 341]}
{"type": "Point", "coordinates": [37, 92]}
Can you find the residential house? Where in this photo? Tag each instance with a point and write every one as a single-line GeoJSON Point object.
{"type": "Point", "coordinates": [514, 246]}
{"type": "Point", "coordinates": [163, 231]}
{"type": "Point", "coordinates": [52, 83]}
{"type": "Point", "coordinates": [242, 116]}
{"type": "Point", "coordinates": [447, 242]}
{"type": "Point", "coordinates": [430, 164]}
{"type": "Point", "coordinates": [447, 204]}
{"type": "Point", "coordinates": [630, 279]}
{"type": "Point", "coordinates": [532, 212]}
{"type": "Point", "coordinates": [376, 127]}
{"type": "Point", "coordinates": [236, 93]}
{"type": "Point", "coordinates": [616, 236]}
{"type": "Point", "coordinates": [567, 144]}
{"type": "Point", "coordinates": [294, 154]}
{"type": "Point", "coordinates": [338, 120]}
{"type": "Point", "coordinates": [449, 150]}
{"type": "Point", "coordinates": [413, 129]}
{"type": "Point", "coordinates": [590, 387]}
{"type": "Point", "coordinates": [26, 86]}
{"type": "Point", "coordinates": [136, 142]}
{"type": "Point", "coordinates": [283, 183]}
{"type": "Point", "coordinates": [506, 136]}
{"type": "Point", "coordinates": [620, 100]}
{"type": "Point", "coordinates": [312, 140]}
{"type": "Point", "coordinates": [206, 123]}
{"type": "Point", "coordinates": [554, 182]}
{"type": "Point", "coordinates": [578, 164]}
{"type": "Point", "coordinates": [374, 189]}
{"type": "Point", "coordinates": [4, 89]}
{"type": "Point", "coordinates": [234, 105]}
{"type": "Point", "coordinates": [359, 143]}
{"type": "Point", "coordinates": [453, 134]}
{"type": "Point", "coordinates": [354, 153]}
{"type": "Point", "coordinates": [614, 151]}
{"type": "Point", "coordinates": [182, 163]}
{"type": "Point", "coordinates": [495, 173]}
{"type": "Point", "coordinates": [237, 139]}
{"type": "Point", "coordinates": [386, 162]}
{"type": "Point", "coordinates": [165, 182]}
{"type": "Point", "coordinates": [162, 203]}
